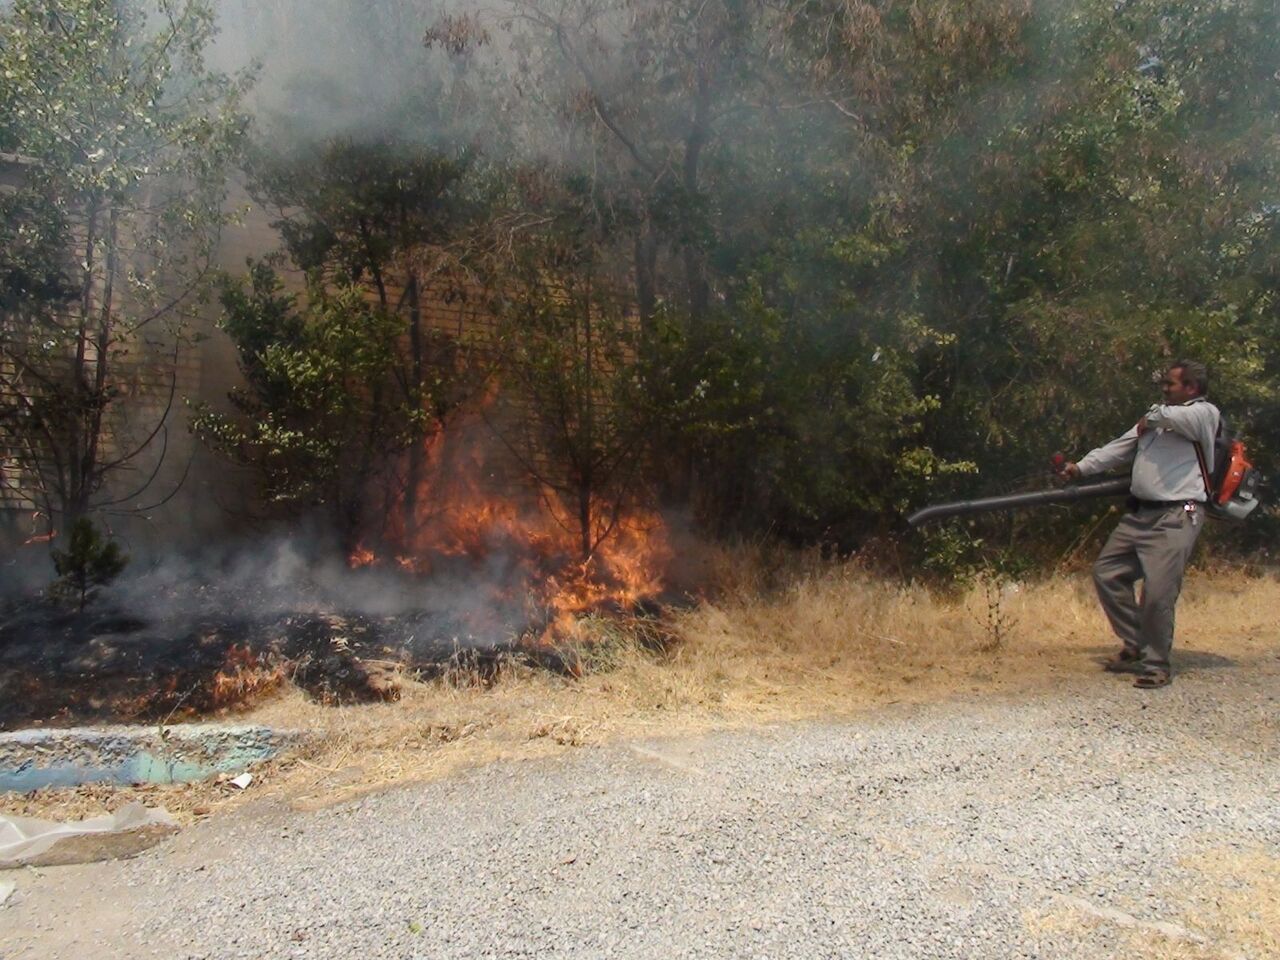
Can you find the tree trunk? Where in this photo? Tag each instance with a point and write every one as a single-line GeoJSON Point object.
{"type": "Point", "coordinates": [587, 446]}
{"type": "Point", "coordinates": [368, 452]}
{"type": "Point", "coordinates": [73, 505]}
{"type": "Point", "coordinates": [694, 261]}
{"type": "Point", "coordinates": [584, 517]}
{"type": "Point", "coordinates": [417, 359]}
{"type": "Point", "coordinates": [102, 362]}
{"type": "Point", "coordinates": [646, 263]}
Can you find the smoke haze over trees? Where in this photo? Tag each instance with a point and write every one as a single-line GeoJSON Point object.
{"type": "Point", "coordinates": [871, 253]}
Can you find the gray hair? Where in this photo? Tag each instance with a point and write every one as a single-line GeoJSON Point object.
{"type": "Point", "coordinates": [1193, 371]}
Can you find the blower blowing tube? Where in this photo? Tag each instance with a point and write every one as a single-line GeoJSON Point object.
{"type": "Point", "coordinates": [1117, 486]}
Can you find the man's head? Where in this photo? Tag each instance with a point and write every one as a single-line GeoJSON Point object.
{"type": "Point", "coordinates": [1184, 380]}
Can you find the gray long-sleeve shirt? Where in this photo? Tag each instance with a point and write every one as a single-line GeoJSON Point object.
{"type": "Point", "coordinates": [1165, 466]}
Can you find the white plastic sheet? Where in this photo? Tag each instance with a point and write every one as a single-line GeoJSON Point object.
{"type": "Point", "coordinates": [24, 839]}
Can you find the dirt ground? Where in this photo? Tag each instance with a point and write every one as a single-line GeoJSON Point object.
{"type": "Point", "coordinates": [834, 643]}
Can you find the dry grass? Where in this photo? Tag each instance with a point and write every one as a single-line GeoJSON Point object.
{"type": "Point", "coordinates": [1232, 904]}
{"type": "Point", "coordinates": [1237, 897]}
{"type": "Point", "coordinates": [778, 643]}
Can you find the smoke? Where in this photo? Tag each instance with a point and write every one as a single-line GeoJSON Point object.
{"type": "Point", "coordinates": [346, 69]}
{"type": "Point", "coordinates": [342, 68]}
{"type": "Point", "coordinates": [480, 603]}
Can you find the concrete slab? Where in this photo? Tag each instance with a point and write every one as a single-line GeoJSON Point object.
{"type": "Point", "coordinates": [32, 759]}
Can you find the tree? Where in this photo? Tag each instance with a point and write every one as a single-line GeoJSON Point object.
{"type": "Point", "coordinates": [127, 139]}
{"type": "Point", "coordinates": [639, 95]}
{"type": "Point", "coordinates": [88, 563]}
{"type": "Point", "coordinates": [569, 358]}
{"type": "Point", "coordinates": [386, 214]}
{"type": "Point", "coordinates": [1119, 222]}
{"type": "Point", "coordinates": [1071, 198]}
{"type": "Point", "coordinates": [318, 420]}
{"type": "Point", "coordinates": [787, 389]}
{"type": "Point", "coordinates": [868, 247]}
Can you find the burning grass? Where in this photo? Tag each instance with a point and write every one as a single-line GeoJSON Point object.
{"type": "Point", "coordinates": [780, 640]}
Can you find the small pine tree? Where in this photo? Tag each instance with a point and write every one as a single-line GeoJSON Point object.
{"type": "Point", "coordinates": [89, 562]}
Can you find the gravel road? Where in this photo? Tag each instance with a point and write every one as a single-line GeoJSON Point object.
{"type": "Point", "coordinates": [1094, 821]}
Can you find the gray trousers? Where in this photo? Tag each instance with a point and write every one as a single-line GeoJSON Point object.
{"type": "Point", "coordinates": [1152, 545]}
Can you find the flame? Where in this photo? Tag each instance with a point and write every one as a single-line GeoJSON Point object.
{"type": "Point", "coordinates": [242, 675]}
{"type": "Point", "coordinates": [473, 514]}
{"type": "Point", "coordinates": [46, 537]}
{"type": "Point", "coordinates": [361, 556]}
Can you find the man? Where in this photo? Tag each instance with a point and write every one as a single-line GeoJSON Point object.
{"type": "Point", "coordinates": [1155, 538]}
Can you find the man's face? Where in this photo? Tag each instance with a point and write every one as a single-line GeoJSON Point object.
{"type": "Point", "coordinates": [1174, 390]}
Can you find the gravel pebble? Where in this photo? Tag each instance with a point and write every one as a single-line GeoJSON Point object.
{"type": "Point", "coordinates": [965, 829]}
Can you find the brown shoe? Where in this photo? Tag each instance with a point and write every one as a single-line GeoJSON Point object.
{"type": "Point", "coordinates": [1150, 679]}
{"type": "Point", "coordinates": [1127, 660]}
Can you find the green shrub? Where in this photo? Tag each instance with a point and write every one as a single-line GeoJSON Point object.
{"type": "Point", "coordinates": [88, 563]}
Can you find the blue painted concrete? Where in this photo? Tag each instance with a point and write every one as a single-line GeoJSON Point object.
{"type": "Point", "coordinates": [33, 759]}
